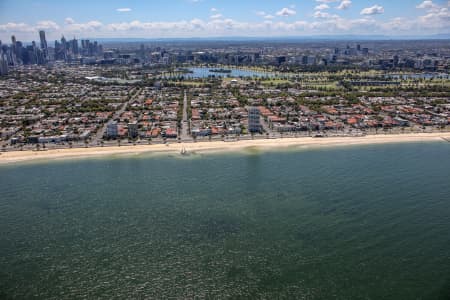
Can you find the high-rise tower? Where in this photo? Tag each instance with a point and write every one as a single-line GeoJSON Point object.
{"type": "Point", "coordinates": [254, 124]}
{"type": "Point", "coordinates": [13, 50]}
{"type": "Point", "coordinates": [43, 44]}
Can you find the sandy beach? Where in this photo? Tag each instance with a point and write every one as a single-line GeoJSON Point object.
{"type": "Point", "coordinates": [217, 146]}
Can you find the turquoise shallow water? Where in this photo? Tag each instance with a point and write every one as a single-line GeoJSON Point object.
{"type": "Point", "coordinates": [369, 222]}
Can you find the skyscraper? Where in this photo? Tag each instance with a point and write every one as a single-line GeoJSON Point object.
{"type": "Point", "coordinates": [3, 63]}
{"type": "Point", "coordinates": [254, 124]}
{"type": "Point", "coordinates": [74, 46]}
{"type": "Point", "coordinates": [43, 40]}
{"type": "Point", "coordinates": [13, 50]}
{"type": "Point", "coordinates": [43, 43]}
{"type": "Point", "coordinates": [63, 48]}
{"type": "Point", "coordinates": [133, 130]}
{"type": "Point", "coordinates": [112, 130]}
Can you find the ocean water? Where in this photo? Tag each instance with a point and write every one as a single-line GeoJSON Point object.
{"type": "Point", "coordinates": [366, 222]}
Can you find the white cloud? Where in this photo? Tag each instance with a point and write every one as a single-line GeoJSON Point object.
{"type": "Point", "coordinates": [69, 21]}
{"type": "Point", "coordinates": [322, 6]}
{"type": "Point", "coordinates": [373, 10]}
{"type": "Point", "coordinates": [286, 12]}
{"type": "Point", "coordinates": [84, 27]}
{"type": "Point", "coordinates": [344, 4]}
{"type": "Point", "coordinates": [436, 18]}
{"type": "Point", "coordinates": [327, 1]}
{"type": "Point", "coordinates": [322, 15]}
{"type": "Point", "coordinates": [265, 15]}
{"type": "Point", "coordinates": [426, 5]}
{"type": "Point", "coordinates": [196, 23]}
{"type": "Point", "coordinates": [124, 9]}
{"type": "Point", "coordinates": [12, 28]}
{"type": "Point", "coordinates": [399, 24]}
{"type": "Point", "coordinates": [432, 22]}
{"type": "Point", "coordinates": [213, 9]}
{"type": "Point", "coordinates": [47, 25]}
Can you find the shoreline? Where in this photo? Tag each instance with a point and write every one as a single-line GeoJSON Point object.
{"type": "Point", "coordinates": [217, 146]}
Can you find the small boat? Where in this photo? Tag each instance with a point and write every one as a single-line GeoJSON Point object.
{"type": "Point", "coordinates": [183, 151]}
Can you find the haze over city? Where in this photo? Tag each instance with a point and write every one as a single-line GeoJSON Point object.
{"type": "Point", "coordinates": [214, 18]}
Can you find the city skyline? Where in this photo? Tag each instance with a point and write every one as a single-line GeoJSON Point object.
{"type": "Point", "coordinates": [209, 18]}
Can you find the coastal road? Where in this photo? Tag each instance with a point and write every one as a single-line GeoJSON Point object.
{"type": "Point", "coordinates": [185, 123]}
{"type": "Point", "coordinates": [99, 135]}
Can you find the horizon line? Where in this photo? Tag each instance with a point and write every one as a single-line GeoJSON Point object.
{"type": "Point", "coordinates": [342, 37]}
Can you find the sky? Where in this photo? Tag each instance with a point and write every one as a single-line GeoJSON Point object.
{"type": "Point", "coordinates": [221, 18]}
